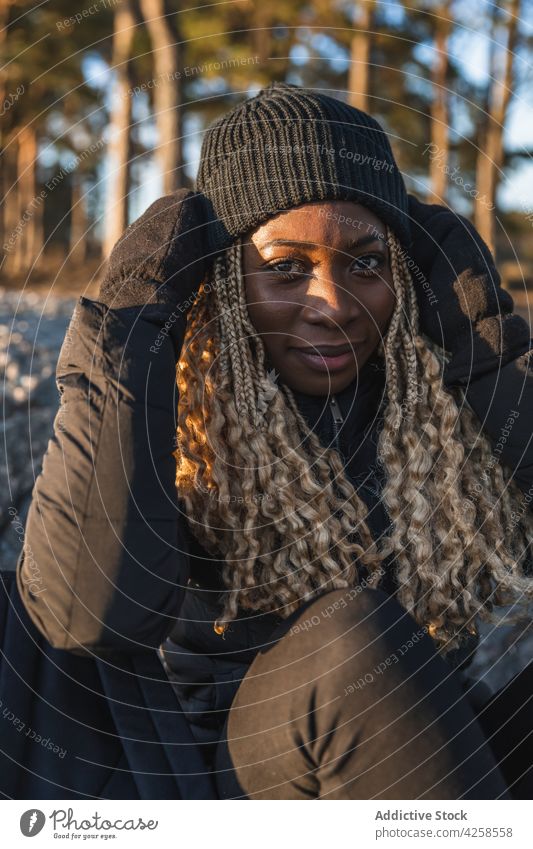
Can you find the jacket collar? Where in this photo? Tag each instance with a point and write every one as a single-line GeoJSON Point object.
{"type": "Point", "coordinates": [361, 404]}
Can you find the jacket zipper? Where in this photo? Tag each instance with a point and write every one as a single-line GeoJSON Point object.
{"type": "Point", "coordinates": [337, 420]}
{"type": "Point", "coordinates": [337, 424]}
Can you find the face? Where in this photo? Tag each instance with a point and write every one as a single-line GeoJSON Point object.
{"type": "Point", "coordinates": [319, 292]}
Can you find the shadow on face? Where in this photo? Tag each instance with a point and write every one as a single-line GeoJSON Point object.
{"type": "Point", "coordinates": [319, 291]}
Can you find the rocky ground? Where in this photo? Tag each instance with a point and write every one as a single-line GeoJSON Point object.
{"type": "Point", "coordinates": [32, 327]}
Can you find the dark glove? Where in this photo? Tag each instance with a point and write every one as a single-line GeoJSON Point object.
{"type": "Point", "coordinates": [462, 305]}
{"type": "Point", "coordinates": [160, 261]}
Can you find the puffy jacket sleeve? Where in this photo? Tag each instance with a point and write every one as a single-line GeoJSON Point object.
{"type": "Point", "coordinates": [503, 402]}
{"type": "Point", "coordinates": [104, 561]}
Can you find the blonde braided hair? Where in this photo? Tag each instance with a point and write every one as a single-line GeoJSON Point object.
{"type": "Point", "coordinates": [264, 495]}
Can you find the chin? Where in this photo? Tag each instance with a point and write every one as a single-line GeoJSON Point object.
{"type": "Point", "coordinates": [316, 384]}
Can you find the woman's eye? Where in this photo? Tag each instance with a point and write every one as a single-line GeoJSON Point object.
{"type": "Point", "coordinates": [368, 263]}
{"type": "Point", "coordinates": [286, 268]}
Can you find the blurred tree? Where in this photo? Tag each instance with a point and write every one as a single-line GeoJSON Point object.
{"type": "Point", "coordinates": [233, 48]}
{"type": "Point", "coordinates": [359, 74]}
{"type": "Point", "coordinates": [4, 19]}
{"type": "Point", "coordinates": [504, 24]}
{"type": "Point", "coordinates": [120, 150]}
{"type": "Point", "coordinates": [40, 68]}
{"type": "Point", "coordinates": [165, 38]}
{"type": "Point", "coordinates": [30, 241]}
{"type": "Point", "coordinates": [439, 107]}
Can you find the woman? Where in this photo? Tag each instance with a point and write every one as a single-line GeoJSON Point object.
{"type": "Point", "coordinates": [326, 528]}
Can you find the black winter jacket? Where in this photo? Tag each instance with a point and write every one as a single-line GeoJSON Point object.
{"type": "Point", "coordinates": [109, 543]}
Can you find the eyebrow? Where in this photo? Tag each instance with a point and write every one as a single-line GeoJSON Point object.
{"type": "Point", "coordinates": [354, 243]}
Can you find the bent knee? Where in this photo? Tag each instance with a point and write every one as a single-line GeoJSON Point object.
{"type": "Point", "coordinates": [346, 607]}
{"type": "Point", "coordinates": [353, 619]}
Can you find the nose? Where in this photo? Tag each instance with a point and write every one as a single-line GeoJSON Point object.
{"type": "Point", "coordinates": [329, 301]}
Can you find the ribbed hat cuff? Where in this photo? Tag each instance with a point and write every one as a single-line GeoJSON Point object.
{"type": "Point", "coordinates": [325, 161]}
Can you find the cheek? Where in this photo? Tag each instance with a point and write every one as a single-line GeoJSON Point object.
{"type": "Point", "coordinates": [254, 301]}
{"type": "Point", "coordinates": [379, 303]}
{"type": "Point", "coordinates": [267, 310]}
{"type": "Point", "coordinates": [260, 313]}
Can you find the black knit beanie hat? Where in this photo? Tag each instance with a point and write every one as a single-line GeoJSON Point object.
{"type": "Point", "coordinates": [287, 146]}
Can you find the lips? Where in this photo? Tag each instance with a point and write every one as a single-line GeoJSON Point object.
{"type": "Point", "coordinates": [328, 350]}
{"type": "Point", "coordinates": [320, 359]}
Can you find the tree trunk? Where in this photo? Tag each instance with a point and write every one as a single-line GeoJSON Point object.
{"type": "Point", "coordinates": [5, 7]}
{"type": "Point", "coordinates": [167, 90]}
{"type": "Point", "coordinates": [358, 77]}
{"type": "Point", "coordinates": [490, 156]}
{"type": "Point", "coordinates": [439, 108]}
{"type": "Point", "coordinates": [10, 205]}
{"type": "Point", "coordinates": [78, 222]}
{"type": "Point", "coordinates": [119, 150]}
{"type": "Point", "coordinates": [30, 201]}
{"type": "Point", "coordinates": [23, 205]}
{"type": "Point", "coordinates": [262, 31]}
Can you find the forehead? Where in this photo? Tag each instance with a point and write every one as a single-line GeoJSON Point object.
{"type": "Point", "coordinates": [335, 223]}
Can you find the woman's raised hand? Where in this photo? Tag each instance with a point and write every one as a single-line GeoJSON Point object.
{"type": "Point", "coordinates": [160, 259]}
{"type": "Point", "coordinates": [462, 306]}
